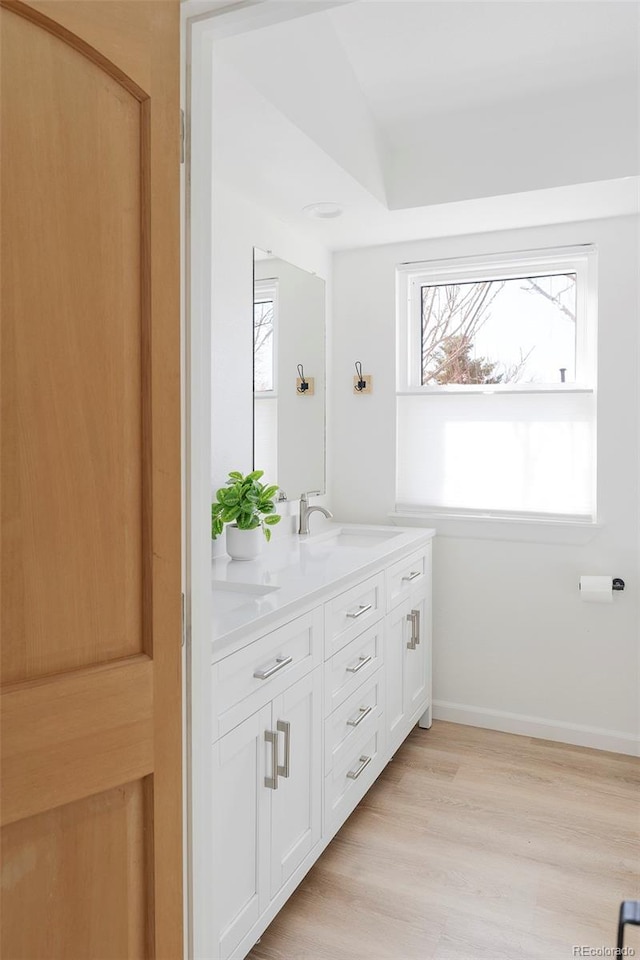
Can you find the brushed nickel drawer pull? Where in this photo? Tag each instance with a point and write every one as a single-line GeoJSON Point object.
{"type": "Point", "coordinates": [271, 737]}
{"type": "Point", "coordinates": [363, 712]}
{"type": "Point", "coordinates": [412, 576]}
{"type": "Point", "coordinates": [363, 661]}
{"type": "Point", "coordinates": [364, 762]}
{"type": "Point", "coordinates": [285, 727]}
{"type": "Point", "coordinates": [269, 672]}
{"type": "Point", "coordinates": [362, 608]}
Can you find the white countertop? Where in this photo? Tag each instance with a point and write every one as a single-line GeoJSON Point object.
{"type": "Point", "coordinates": [293, 571]}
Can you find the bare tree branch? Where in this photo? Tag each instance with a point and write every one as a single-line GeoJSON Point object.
{"type": "Point", "coordinates": [535, 287]}
{"type": "Point", "coordinates": [452, 315]}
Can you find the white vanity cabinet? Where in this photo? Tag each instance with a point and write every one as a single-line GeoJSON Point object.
{"type": "Point", "coordinates": [408, 645]}
{"type": "Point", "coordinates": [354, 697]}
{"type": "Point", "coordinates": [307, 714]}
{"type": "Point", "coordinates": [266, 773]}
{"type": "Point", "coordinates": [295, 800]}
{"type": "Point", "coordinates": [241, 834]}
{"type": "Point", "coordinates": [407, 656]}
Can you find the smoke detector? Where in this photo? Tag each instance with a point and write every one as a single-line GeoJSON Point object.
{"type": "Point", "coordinates": [325, 210]}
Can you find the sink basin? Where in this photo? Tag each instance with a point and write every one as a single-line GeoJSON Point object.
{"type": "Point", "coordinates": [363, 537]}
{"type": "Point", "coordinates": [228, 596]}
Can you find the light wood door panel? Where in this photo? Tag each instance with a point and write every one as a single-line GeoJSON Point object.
{"type": "Point", "coordinates": [76, 314]}
{"type": "Point", "coordinates": [70, 736]}
{"type": "Point", "coordinates": [91, 654]}
{"type": "Point", "coordinates": [96, 848]}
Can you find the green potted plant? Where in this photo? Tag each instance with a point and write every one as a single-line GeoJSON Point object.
{"type": "Point", "coordinates": [248, 509]}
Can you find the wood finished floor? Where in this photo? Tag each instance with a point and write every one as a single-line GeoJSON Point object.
{"type": "Point", "coordinates": [473, 845]}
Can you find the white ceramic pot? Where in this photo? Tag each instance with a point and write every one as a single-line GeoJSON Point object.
{"type": "Point", "coordinates": [244, 544]}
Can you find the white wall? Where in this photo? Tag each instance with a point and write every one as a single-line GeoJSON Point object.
{"type": "Point", "coordinates": [513, 646]}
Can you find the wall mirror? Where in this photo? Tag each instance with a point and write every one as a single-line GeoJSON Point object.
{"type": "Point", "coordinates": [288, 375]}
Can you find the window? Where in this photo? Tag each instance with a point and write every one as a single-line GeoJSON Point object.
{"type": "Point", "coordinates": [496, 386]}
{"type": "Point", "coordinates": [265, 300]}
{"type": "Point", "coordinates": [265, 375]}
{"type": "Point", "coordinates": [515, 330]}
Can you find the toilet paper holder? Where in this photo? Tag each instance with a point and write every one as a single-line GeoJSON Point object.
{"type": "Point", "coordinates": [617, 583]}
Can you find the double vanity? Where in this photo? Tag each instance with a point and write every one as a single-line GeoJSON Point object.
{"type": "Point", "coordinates": [321, 648]}
{"type": "Point", "coordinates": [321, 666]}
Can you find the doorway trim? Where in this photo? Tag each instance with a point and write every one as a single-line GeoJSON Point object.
{"type": "Point", "coordinates": [203, 23]}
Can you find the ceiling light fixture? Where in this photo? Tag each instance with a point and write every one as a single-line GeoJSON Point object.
{"type": "Point", "coordinates": [325, 210]}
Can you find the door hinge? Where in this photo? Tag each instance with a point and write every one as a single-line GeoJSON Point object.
{"type": "Point", "coordinates": [184, 620]}
{"type": "Point", "coordinates": [182, 135]}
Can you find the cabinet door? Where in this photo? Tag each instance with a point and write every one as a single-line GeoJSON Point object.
{"type": "Point", "coordinates": [295, 810]}
{"type": "Point", "coordinates": [396, 637]}
{"type": "Point", "coordinates": [407, 665]}
{"type": "Point", "coordinates": [241, 814]}
{"type": "Point", "coordinates": [417, 661]}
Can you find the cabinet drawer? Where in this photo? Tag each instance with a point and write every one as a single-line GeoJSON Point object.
{"type": "Point", "coordinates": [349, 614]}
{"type": "Point", "coordinates": [351, 778]}
{"type": "Point", "coordinates": [352, 665]}
{"type": "Point", "coordinates": [246, 680]}
{"type": "Point", "coordinates": [404, 576]}
{"type": "Point", "coordinates": [358, 713]}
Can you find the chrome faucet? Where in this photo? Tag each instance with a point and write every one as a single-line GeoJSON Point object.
{"type": "Point", "coordinates": [306, 510]}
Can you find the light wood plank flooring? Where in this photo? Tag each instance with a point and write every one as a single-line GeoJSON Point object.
{"type": "Point", "coordinates": [473, 844]}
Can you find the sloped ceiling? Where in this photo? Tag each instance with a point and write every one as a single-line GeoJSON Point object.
{"type": "Point", "coordinates": [397, 107]}
{"type": "Point", "coordinates": [417, 60]}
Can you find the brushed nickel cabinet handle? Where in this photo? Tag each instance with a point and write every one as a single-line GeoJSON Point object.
{"type": "Point", "coordinates": [416, 629]}
{"type": "Point", "coordinates": [412, 576]}
{"type": "Point", "coordinates": [364, 762]}
{"type": "Point", "coordinates": [362, 608]}
{"type": "Point", "coordinates": [363, 712]}
{"type": "Point", "coordinates": [414, 619]}
{"type": "Point", "coordinates": [269, 672]}
{"type": "Point", "coordinates": [411, 645]}
{"type": "Point", "coordinates": [363, 661]}
{"type": "Point", "coordinates": [283, 726]}
{"type": "Point", "coordinates": [271, 737]}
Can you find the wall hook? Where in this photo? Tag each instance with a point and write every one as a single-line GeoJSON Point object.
{"type": "Point", "coordinates": [304, 385]}
{"type": "Point", "coordinates": [362, 382]}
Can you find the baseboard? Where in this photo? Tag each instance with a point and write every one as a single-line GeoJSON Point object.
{"type": "Point", "coordinates": [573, 733]}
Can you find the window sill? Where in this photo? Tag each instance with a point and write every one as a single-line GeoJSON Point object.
{"type": "Point", "coordinates": [520, 529]}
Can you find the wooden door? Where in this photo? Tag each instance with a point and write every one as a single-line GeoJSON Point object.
{"type": "Point", "coordinates": [295, 805]}
{"type": "Point", "coordinates": [241, 811]}
{"type": "Point", "coordinates": [91, 658]}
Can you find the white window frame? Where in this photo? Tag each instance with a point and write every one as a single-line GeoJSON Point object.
{"type": "Point", "coordinates": [581, 260]}
{"type": "Point", "coordinates": [267, 289]}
